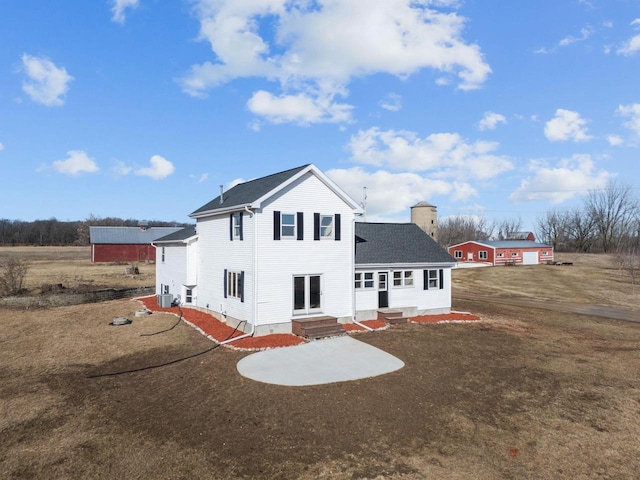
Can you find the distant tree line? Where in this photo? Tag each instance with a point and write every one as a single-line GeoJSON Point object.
{"type": "Point", "coordinates": [608, 221]}
{"type": "Point", "coordinates": [53, 232]}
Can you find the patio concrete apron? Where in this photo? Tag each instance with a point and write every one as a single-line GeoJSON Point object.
{"type": "Point", "coordinates": [322, 361]}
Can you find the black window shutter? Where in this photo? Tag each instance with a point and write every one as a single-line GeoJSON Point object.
{"type": "Point", "coordinates": [441, 273]}
{"type": "Point", "coordinates": [336, 220]}
{"type": "Point", "coordinates": [231, 227]}
{"type": "Point", "coordinates": [425, 274]}
{"type": "Point", "coordinates": [300, 225]}
{"type": "Point", "coordinates": [316, 226]}
{"type": "Point", "coordinates": [240, 221]}
{"type": "Point", "coordinates": [242, 286]}
{"type": "Point", "coordinates": [276, 225]}
{"type": "Point", "coordinates": [225, 283]}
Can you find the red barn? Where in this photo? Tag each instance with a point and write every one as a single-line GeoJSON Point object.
{"type": "Point", "coordinates": [503, 252]}
{"type": "Point", "coordinates": [126, 244]}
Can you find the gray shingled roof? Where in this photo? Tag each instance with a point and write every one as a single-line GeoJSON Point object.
{"type": "Point", "coordinates": [513, 244]}
{"type": "Point", "coordinates": [128, 235]}
{"type": "Point", "coordinates": [178, 236]}
{"type": "Point", "coordinates": [248, 192]}
{"type": "Point", "coordinates": [378, 243]}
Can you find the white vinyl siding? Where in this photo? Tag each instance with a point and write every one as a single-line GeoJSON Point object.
{"type": "Point", "coordinates": [423, 300]}
{"type": "Point", "coordinates": [217, 254]}
{"type": "Point", "coordinates": [280, 261]}
{"type": "Point", "coordinates": [172, 272]}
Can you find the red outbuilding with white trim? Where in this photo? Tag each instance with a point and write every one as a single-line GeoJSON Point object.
{"type": "Point", "coordinates": [502, 252]}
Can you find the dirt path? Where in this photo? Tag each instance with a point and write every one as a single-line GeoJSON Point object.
{"type": "Point", "coordinates": [565, 307]}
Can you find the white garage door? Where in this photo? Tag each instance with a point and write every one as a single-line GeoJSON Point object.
{"type": "Point", "coordinates": [530, 258]}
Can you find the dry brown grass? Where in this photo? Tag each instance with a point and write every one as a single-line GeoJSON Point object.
{"type": "Point", "coordinates": [593, 279]}
{"type": "Point", "coordinates": [72, 267]}
{"type": "Point", "coordinates": [522, 394]}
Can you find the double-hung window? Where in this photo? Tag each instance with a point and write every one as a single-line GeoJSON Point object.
{"type": "Point", "coordinates": [288, 225]}
{"type": "Point", "coordinates": [434, 279]}
{"type": "Point", "coordinates": [326, 226]}
{"type": "Point", "coordinates": [237, 226]}
{"type": "Point", "coordinates": [403, 278]}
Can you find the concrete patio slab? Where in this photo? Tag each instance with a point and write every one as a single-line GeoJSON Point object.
{"type": "Point", "coordinates": [330, 360]}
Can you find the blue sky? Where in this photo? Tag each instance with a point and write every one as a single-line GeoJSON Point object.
{"type": "Point", "coordinates": [142, 108]}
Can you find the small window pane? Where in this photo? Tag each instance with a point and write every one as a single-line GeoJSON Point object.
{"type": "Point", "coordinates": [326, 226]}
{"type": "Point", "coordinates": [408, 278]}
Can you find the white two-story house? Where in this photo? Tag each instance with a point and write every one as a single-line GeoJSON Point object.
{"type": "Point", "coordinates": [281, 248]}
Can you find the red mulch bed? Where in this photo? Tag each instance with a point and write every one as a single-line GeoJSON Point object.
{"type": "Point", "coordinates": [220, 332]}
{"type": "Point", "coordinates": [445, 318]}
{"type": "Point", "coordinates": [374, 324]}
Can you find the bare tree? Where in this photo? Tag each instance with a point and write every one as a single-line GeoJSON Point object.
{"type": "Point", "coordinates": [458, 229]}
{"type": "Point", "coordinates": [553, 228]}
{"type": "Point", "coordinates": [581, 231]}
{"type": "Point", "coordinates": [12, 274]}
{"type": "Point", "coordinates": [612, 211]}
{"type": "Point", "coordinates": [508, 228]}
{"type": "Point", "coordinates": [629, 261]}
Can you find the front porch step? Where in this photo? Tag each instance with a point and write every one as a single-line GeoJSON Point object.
{"type": "Point", "coordinates": [392, 317]}
{"type": "Point", "coordinates": [316, 327]}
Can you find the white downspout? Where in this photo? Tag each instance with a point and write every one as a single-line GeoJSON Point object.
{"type": "Point", "coordinates": [353, 276]}
{"type": "Point", "coordinates": [254, 306]}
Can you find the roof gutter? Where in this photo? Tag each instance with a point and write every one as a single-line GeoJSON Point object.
{"type": "Point", "coordinates": [219, 211]}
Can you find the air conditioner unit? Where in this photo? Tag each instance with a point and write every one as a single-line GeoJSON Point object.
{"type": "Point", "coordinates": [164, 300]}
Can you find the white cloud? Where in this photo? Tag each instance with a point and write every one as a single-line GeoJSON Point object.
{"type": "Point", "coordinates": [159, 168]}
{"type": "Point", "coordinates": [77, 162]}
{"type": "Point", "coordinates": [631, 111]}
{"type": "Point", "coordinates": [443, 154]}
{"type": "Point", "coordinates": [200, 178]}
{"type": "Point", "coordinates": [301, 108]}
{"type": "Point", "coordinates": [1, 146]}
{"type": "Point", "coordinates": [615, 140]}
{"type": "Point", "coordinates": [46, 83]}
{"type": "Point", "coordinates": [491, 120]}
{"type": "Point", "coordinates": [567, 125]}
{"type": "Point", "coordinates": [316, 48]}
{"type": "Point", "coordinates": [119, 7]}
{"type": "Point", "coordinates": [390, 193]}
{"type": "Point", "coordinates": [120, 168]}
{"type": "Point", "coordinates": [562, 182]}
{"type": "Point", "coordinates": [392, 102]}
{"type": "Point", "coordinates": [585, 33]}
{"type": "Point", "coordinates": [631, 46]}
